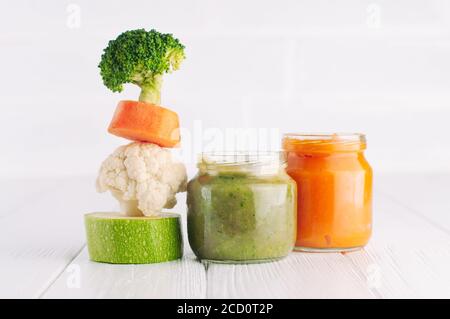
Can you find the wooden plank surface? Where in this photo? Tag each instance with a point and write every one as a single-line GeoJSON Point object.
{"type": "Point", "coordinates": [42, 254]}
{"type": "Point", "coordinates": [424, 195]}
{"type": "Point", "coordinates": [85, 279]}
{"type": "Point", "coordinates": [41, 231]}
{"type": "Point", "coordinates": [300, 275]}
{"type": "Point", "coordinates": [407, 257]}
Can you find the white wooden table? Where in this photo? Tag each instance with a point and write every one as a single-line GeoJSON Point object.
{"type": "Point", "coordinates": [43, 253]}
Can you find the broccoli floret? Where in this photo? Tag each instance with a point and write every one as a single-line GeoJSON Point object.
{"type": "Point", "coordinates": [140, 57]}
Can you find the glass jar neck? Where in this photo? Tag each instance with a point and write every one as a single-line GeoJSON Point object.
{"type": "Point", "coordinates": [248, 163]}
{"type": "Point", "coordinates": [337, 143]}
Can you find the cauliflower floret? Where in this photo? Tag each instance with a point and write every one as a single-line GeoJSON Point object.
{"type": "Point", "coordinates": [143, 177]}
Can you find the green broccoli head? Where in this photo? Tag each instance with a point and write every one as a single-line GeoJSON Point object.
{"type": "Point", "coordinates": [140, 57]}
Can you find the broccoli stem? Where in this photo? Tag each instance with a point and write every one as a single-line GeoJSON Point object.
{"type": "Point", "coordinates": [151, 90]}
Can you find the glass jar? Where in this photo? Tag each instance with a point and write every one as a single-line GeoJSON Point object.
{"type": "Point", "coordinates": [334, 182]}
{"type": "Point", "coordinates": [241, 208]}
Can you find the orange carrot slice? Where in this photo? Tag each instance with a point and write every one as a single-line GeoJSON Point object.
{"type": "Point", "coordinates": [145, 122]}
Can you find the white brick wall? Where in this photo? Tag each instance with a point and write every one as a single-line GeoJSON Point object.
{"type": "Point", "coordinates": [379, 67]}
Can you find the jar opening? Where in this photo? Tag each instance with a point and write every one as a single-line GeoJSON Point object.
{"type": "Point", "coordinates": [244, 161]}
{"type": "Point", "coordinates": [324, 142]}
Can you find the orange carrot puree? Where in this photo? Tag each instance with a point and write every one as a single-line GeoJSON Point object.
{"type": "Point", "coordinates": [334, 183]}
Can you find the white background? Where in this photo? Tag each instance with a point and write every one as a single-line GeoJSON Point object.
{"type": "Point", "coordinates": [378, 67]}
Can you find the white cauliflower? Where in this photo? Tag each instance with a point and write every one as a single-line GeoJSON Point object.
{"type": "Point", "coordinates": [143, 177]}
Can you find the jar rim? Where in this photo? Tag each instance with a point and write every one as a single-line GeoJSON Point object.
{"type": "Point", "coordinates": [324, 142]}
{"type": "Point", "coordinates": [231, 158]}
{"type": "Point", "coordinates": [252, 162]}
{"type": "Point", "coordinates": [340, 136]}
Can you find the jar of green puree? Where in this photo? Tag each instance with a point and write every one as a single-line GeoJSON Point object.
{"type": "Point", "coordinates": [241, 208]}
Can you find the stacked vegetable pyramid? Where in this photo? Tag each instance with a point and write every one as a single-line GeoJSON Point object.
{"type": "Point", "coordinates": [142, 175]}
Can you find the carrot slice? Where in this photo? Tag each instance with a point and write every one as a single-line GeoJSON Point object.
{"type": "Point", "coordinates": [145, 122]}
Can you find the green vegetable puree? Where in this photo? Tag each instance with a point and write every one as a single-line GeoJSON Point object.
{"type": "Point", "coordinates": [239, 217]}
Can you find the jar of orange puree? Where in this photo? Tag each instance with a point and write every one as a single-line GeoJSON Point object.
{"type": "Point", "coordinates": [334, 182]}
